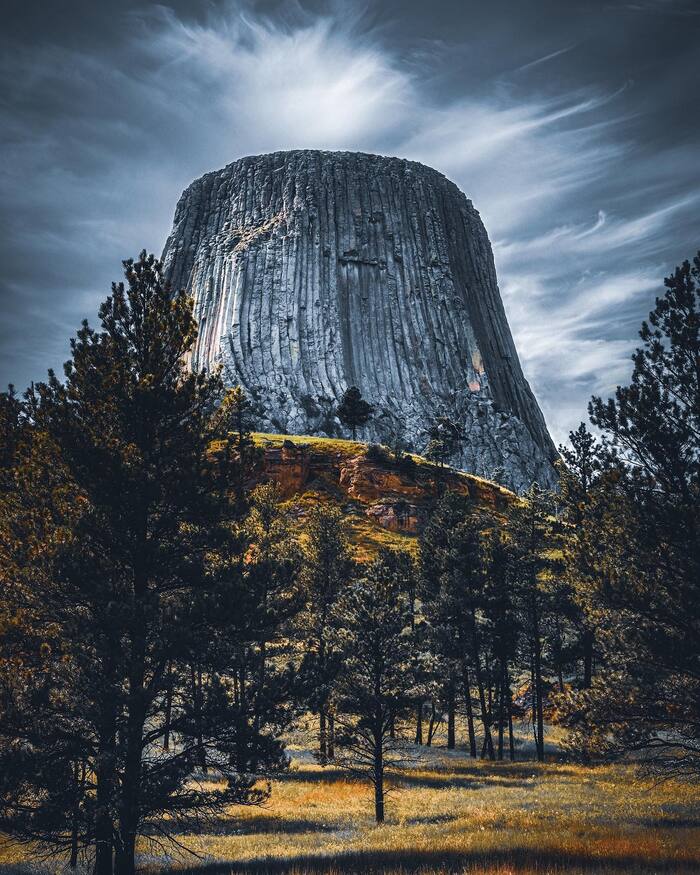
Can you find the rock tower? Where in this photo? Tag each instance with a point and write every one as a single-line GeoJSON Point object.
{"type": "Point", "coordinates": [313, 271]}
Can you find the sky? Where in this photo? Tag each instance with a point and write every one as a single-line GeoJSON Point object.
{"type": "Point", "coordinates": [573, 127]}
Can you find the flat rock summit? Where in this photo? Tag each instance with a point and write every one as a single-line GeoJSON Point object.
{"type": "Point", "coordinates": [314, 271]}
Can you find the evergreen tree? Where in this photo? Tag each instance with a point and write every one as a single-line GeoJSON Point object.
{"type": "Point", "coordinates": [12, 426]}
{"type": "Point", "coordinates": [273, 597]}
{"type": "Point", "coordinates": [232, 425]}
{"type": "Point", "coordinates": [373, 621]}
{"type": "Point", "coordinates": [502, 629]}
{"type": "Point", "coordinates": [353, 411]}
{"type": "Point", "coordinates": [454, 589]}
{"type": "Point", "coordinates": [45, 795]}
{"type": "Point", "coordinates": [444, 439]}
{"type": "Point", "coordinates": [530, 532]}
{"type": "Point", "coordinates": [579, 467]}
{"type": "Point", "coordinates": [644, 519]}
{"type": "Point", "coordinates": [326, 570]}
{"type": "Point", "coordinates": [119, 548]}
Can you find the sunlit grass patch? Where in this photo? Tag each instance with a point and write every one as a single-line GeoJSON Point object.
{"type": "Point", "coordinates": [313, 442]}
{"type": "Point", "coordinates": [445, 814]}
{"type": "Point", "coordinates": [453, 814]}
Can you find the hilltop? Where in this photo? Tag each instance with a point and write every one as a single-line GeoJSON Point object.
{"type": "Point", "coordinates": [385, 502]}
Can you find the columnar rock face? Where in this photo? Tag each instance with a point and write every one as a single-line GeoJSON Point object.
{"type": "Point", "coordinates": [314, 271]}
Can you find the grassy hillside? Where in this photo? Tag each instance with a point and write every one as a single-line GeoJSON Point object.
{"type": "Point", "coordinates": [385, 505]}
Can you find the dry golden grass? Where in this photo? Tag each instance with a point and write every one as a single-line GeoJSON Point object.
{"type": "Point", "coordinates": [451, 814]}
{"type": "Point", "coordinates": [320, 444]}
{"type": "Point", "coordinates": [448, 813]}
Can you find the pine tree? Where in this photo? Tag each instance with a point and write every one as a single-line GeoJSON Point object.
{"type": "Point", "coordinates": [644, 522]}
{"type": "Point", "coordinates": [530, 531]}
{"type": "Point", "coordinates": [579, 468]}
{"type": "Point", "coordinates": [273, 597]}
{"type": "Point", "coordinates": [326, 570]}
{"type": "Point", "coordinates": [45, 796]}
{"type": "Point", "coordinates": [353, 411]}
{"type": "Point", "coordinates": [12, 426]}
{"type": "Point", "coordinates": [454, 588]}
{"type": "Point", "coordinates": [232, 426]}
{"type": "Point", "coordinates": [444, 439]}
{"type": "Point", "coordinates": [502, 628]}
{"type": "Point", "coordinates": [120, 548]}
{"type": "Point", "coordinates": [373, 621]}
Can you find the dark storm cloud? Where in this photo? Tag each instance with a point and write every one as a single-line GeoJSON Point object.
{"type": "Point", "coordinates": [573, 127]}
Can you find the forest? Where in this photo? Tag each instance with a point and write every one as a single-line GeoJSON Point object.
{"type": "Point", "coordinates": [169, 620]}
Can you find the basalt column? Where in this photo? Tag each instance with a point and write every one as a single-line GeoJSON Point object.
{"type": "Point", "coordinates": [313, 271]}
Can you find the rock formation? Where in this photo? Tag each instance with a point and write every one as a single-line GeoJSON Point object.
{"type": "Point", "coordinates": [372, 485]}
{"type": "Point", "coordinates": [313, 271]}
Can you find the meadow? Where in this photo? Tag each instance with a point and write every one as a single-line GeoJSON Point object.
{"type": "Point", "coordinates": [446, 813]}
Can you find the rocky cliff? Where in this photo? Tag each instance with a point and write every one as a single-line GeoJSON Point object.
{"type": "Point", "coordinates": [385, 502]}
{"type": "Point", "coordinates": [313, 271]}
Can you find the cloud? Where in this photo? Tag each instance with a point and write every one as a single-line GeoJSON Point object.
{"type": "Point", "coordinates": [543, 60]}
{"type": "Point", "coordinates": [99, 142]}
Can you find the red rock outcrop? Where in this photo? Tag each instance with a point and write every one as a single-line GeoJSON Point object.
{"type": "Point", "coordinates": [395, 499]}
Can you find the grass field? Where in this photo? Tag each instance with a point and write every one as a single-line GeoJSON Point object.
{"type": "Point", "coordinates": [446, 814]}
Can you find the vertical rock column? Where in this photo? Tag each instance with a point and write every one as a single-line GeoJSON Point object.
{"type": "Point", "coordinates": [312, 271]}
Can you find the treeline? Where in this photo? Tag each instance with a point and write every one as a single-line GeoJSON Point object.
{"type": "Point", "coordinates": [162, 626]}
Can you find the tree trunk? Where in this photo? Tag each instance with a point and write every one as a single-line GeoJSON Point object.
{"type": "Point", "coordinates": [168, 708]}
{"type": "Point", "coordinates": [470, 713]}
{"type": "Point", "coordinates": [558, 652]}
{"type": "Point", "coordinates": [130, 804]}
{"type": "Point", "coordinates": [322, 736]}
{"type": "Point", "coordinates": [533, 700]}
{"type": "Point", "coordinates": [331, 735]}
{"type": "Point", "coordinates": [241, 743]}
{"type": "Point", "coordinates": [431, 725]}
{"type": "Point", "coordinates": [501, 695]}
{"type": "Point", "coordinates": [537, 672]}
{"type": "Point", "coordinates": [125, 859]}
{"type": "Point", "coordinates": [451, 715]}
{"type": "Point", "coordinates": [262, 668]}
{"type": "Point", "coordinates": [198, 696]}
{"type": "Point", "coordinates": [485, 712]}
{"type": "Point", "coordinates": [419, 724]}
{"type": "Point", "coordinates": [511, 740]}
{"type": "Point", "coordinates": [587, 658]}
{"type": "Point", "coordinates": [104, 797]}
{"type": "Point", "coordinates": [485, 717]}
{"type": "Point", "coordinates": [74, 833]}
{"type": "Point", "coordinates": [378, 780]}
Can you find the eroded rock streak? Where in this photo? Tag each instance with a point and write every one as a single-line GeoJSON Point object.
{"type": "Point", "coordinates": [313, 271]}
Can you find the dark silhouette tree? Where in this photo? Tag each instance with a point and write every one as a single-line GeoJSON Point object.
{"type": "Point", "coordinates": [502, 629]}
{"type": "Point", "coordinates": [444, 439]}
{"type": "Point", "coordinates": [326, 570]}
{"type": "Point", "coordinates": [453, 587]}
{"type": "Point", "coordinates": [353, 411]}
{"type": "Point", "coordinates": [644, 516]}
{"type": "Point", "coordinates": [233, 424]}
{"type": "Point", "coordinates": [120, 553]}
{"type": "Point", "coordinates": [530, 527]}
{"type": "Point", "coordinates": [373, 620]}
{"type": "Point", "coordinates": [579, 467]}
{"type": "Point", "coordinates": [264, 662]}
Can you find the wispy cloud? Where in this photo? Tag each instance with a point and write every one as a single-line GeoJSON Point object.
{"type": "Point", "coordinates": [543, 60]}
{"type": "Point", "coordinates": [98, 145]}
